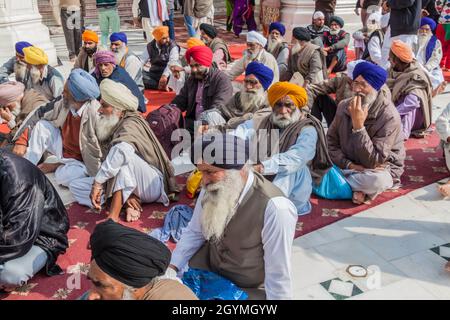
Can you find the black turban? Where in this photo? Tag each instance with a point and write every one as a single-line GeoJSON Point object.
{"type": "Point", "coordinates": [338, 20]}
{"type": "Point", "coordinates": [129, 256]}
{"type": "Point", "coordinates": [209, 30]}
{"type": "Point", "coordinates": [220, 150]}
{"type": "Point", "coordinates": [301, 34]}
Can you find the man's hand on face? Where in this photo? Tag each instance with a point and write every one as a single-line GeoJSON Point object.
{"type": "Point", "coordinates": [163, 83]}
{"type": "Point", "coordinates": [358, 113]}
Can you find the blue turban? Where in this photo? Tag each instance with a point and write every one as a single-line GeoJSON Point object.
{"type": "Point", "coordinates": [429, 22]}
{"type": "Point", "coordinates": [21, 45]}
{"type": "Point", "coordinates": [116, 36]}
{"type": "Point", "coordinates": [277, 26]}
{"type": "Point", "coordinates": [82, 85]}
{"type": "Point", "coordinates": [263, 73]}
{"type": "Point", "coordinates": [373, 74]}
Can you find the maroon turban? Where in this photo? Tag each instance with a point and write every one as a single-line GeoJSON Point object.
{"type": "Point", "coordinates": [201, 54]}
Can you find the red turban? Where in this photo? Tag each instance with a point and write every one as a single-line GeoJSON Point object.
{"type": "Point", "coordinates": [201, 54]}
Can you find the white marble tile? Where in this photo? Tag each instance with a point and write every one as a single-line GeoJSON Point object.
{"type": "Point", "coordinates": [364, 223]}
{"type": "Point", "coordinates": [330, 233]}
{"type": "Point", "coordinates": [430, 198]}
{"type": "Point", "coordinates": [310, 240]}
{"type": "Point", "coordinates": [437, 224]}
{"type": "Point", "coordinates": [314, 292]}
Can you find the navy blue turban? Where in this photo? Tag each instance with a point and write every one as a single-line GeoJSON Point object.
{"type": "Point", "coordinates": [428, 21]}
{"type": "Point", "coordinates": [277, 26]}
{"type": "Point", "coordinates": [263, 73]}
{"type": "Point", "coordinates": [373, 74]}
{"type": "Point", "coordinates": [338, 20]}
{"type": "Point", "coordinates": [21, 45]}
{"type": "Point", "coordinates": [82, 85]}
{"type": "Point", "coordinates": [116, 36]}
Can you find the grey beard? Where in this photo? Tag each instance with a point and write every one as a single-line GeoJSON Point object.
{"type": "Point", "coordinates": [423, 40]}
{"type": "Point", "coordinates": [334, 32]}
{"type": "Point", "coordinates": [272, 44]}
{"type": "Point", "coordinates": [120, 54]}
{"type": "Point", "coordinates": [251, 100]}
{"type": "Point", "coordinates": [128, 293]}
{"type": "Point", "coordinates": [105, 126]}
{"type": "Point", "coordinates": [20, 71]}
{"type": "Point", "coordinates": [296, 48]}
{"type": "Point", "coordinates": [35, 75]}
{"type": "Point", "coordinates": [282, 122]}
{"type": "Point", "coordinates": [368, 100]}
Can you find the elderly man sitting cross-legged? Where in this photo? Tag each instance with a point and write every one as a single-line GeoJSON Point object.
{"type": "Point", "coordinates": [365, 138]}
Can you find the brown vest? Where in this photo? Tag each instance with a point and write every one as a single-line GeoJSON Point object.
{"type": "Point", "coordinates": [239, 256]}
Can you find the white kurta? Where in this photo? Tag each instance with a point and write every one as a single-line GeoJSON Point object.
{"type": "Point", "coordinates": [280, 219]}
{"type": "Point", "coordinates": [432, 66]}
{"type": "Point", "coordinates": [443, 129]}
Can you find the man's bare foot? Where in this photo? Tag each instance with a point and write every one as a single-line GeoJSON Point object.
{"type": "Point", "coordinates": [445, 189]}
{"type": "Point", "coordinates": [358, 197]}
{"type": "Point", "coordinates": [133, 208]}
{"type": "Point", "coordinates": [132, 214]}
{"type": "Point", "coordinates": [447, 266]}
{"type": "Point", "coordinates": [49, 167]}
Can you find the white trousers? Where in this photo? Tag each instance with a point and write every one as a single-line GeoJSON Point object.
{"type": "Point", "coordinates": [369, 182]}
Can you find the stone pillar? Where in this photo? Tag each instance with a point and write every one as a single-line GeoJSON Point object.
{"type": "Point", "coordinates": [20, 21]}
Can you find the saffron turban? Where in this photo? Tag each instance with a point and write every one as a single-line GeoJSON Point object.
{"type": "Point", "coordinates": [21, 45]}
{"type": "Point", "coordinates": [89, 35]}
{"type": "Point", "coordinates": [428, 21]}
{"type": "Point", "coordinates": [201, 54]}
{"type": "Point", "coordinates": [301, 34]}
{"type": "Point", "coordinates": [375, 75]}
{"type": "Point", "coordinates": [402, 51]}
{"type": "Point", "coordinates": [35, 56]}
{"type": "Point", "coordinates": [160, 32]}
{"type": "Point", "coordinates": [338, 20]}
{"type": "Point", "coordinates": [263, 73]}
{"type": "Point", "coordinates": [128, 255]}
{"type": "Point", "coordinates": [82, 85]}
{"type": "Point", "coordinates": [351, 67]}
{"type": "Point", "coordinates": [209, 30]}
{"type": "Point", "coordinates": [118, 36]}
{"type": "Point", "coordinates": [281, 89]}
{"type": "Point", "coordinates": [277, 26]}
{"type": "Point", "coordinates": [318, 14]}
{"type": "Point", "coordinates": [118, 95]}
{"type": "Point", "coordinates": [256, 37]}
{"type": "Point", "coordinates": [193, 42]}
{"type": "Point", "coordinates": [10, 92]}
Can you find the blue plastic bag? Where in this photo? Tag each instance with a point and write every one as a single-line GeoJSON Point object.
{"type": "Point", "coordinates": [333, 186]}
{"type": "Point", "coordinates": [210, 286]}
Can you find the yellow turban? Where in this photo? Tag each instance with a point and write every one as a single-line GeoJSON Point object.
{"type": "Point", "coordinates": [118, 95]}
{"type": "Point", "coordinates": [281, 89]}
{"type": "Point", "coordinates": [160, 32]}
{"type": "Point", "coordinates": [35, 56]}
{"type": "Point", "coordinates": [89, 35]}
{"type": "Point", "coordinates": [194, 42]}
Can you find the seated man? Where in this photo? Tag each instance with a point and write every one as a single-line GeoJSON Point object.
{"type": "Point", "coordinates": [375, 38]}
{"type": "Point", "coordinates": [411, 90]}
{"type": "Point", "coordinates": [365, 138]}
{"type": "Point", "coordinates": [206, 88]}
{"type": "Point", "coordinates": [299, 135]}
{"type": "Point", "coordinates": [11, 93]}
{"type": "Point", "coordinates": [318, 28]}
{"type": "Point", "coordinates": [127, 264]}
{"type": "Point", "coordinates": [335, 42]}
{"type": "Point", "coordinates": [85, 59]}
{"type": "Point", "coordinates": [277, 46]}
{"type": "Point", "coordinates": [255, 52]}
{"type": "Point", "coordinates": [135, 169]}
{"type": "Point", "coordinates": [428, 52]}
{"type": "Point", "coordinates": [42, 77]}
{"type": "Point", "coordinates": [106, 68]}
{"type": "Point", "coordinates": [126, 59]}
{"type": "Point", "coordinates": [242, 227]}
{"type": "Point", "coordinates": [306, 60]}
{"type": "Point", "coordinates": [219, 47]}
{"type": "Point", "coordinates": [34, 222]}
{"type": "Point", "coordinates": [66, 128]}
{"type": "Point", "coordinates": [16, 64]}
{"type": "Point", "coordinates": [160, 53]}
{"type": "Point", "coordinates": [319, 100]}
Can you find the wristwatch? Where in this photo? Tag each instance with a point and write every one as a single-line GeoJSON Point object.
{"type": "Point", "coordinates": [358, 130]}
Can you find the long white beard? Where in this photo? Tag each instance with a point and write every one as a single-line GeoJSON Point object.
{"type": "Point", "coordinates": [250, 99]}
{"type": "Point", "coordinates": [120, 54]}
{"type": "Point", "coordinates": [423, 40]}
{"type": "Point", "coordinates": [272, 44]}
{"type": "Point", "coordinates": [219, 204]}
{"type": "Point", "coordinates": [282, 121]}
{"type": "Point", "coordinates": [105, 126]}
{"type": "Point", "coordinates": [20, 71]}
{"type": "Point", "coordinates": [296, 48]}
{"type": "Point", "coordinates": [35, 75]}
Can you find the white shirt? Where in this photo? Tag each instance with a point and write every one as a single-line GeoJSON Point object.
{"type": "Point", "coordinates": [374, 47]}
{"type": "Point", "coordinates": [280, 219]}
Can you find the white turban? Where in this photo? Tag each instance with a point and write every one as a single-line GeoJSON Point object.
{"type": "Point", "coordinates": [118, 95]}
{"type": "Point", "coordinates": [351, 66]}
{"type": "Point", "coordinates": [318, 14]}
{"type": "Point", "coordinates": [257, 37]}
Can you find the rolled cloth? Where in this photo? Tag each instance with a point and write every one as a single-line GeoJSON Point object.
{"type": "Point", "coordinates": [193, 42]}
{"type": "Point", "coordinates": [209, 30]}
{"type": "Point", "coordinates": [338, 20]}
{"type": "Point", "coordinates": [201, 54]}
{"type": "Point", "coordinates": [35, 56]}
{"type": "Point", "coordinates": [282, 89]}
{"type": "Point", "coordinates": [301, 34]}
{"type": "Point", "coordinates": [277, 26]}
{"type": "Point", "coordinates": [103, 57]}
{"type": "Point", "coordinates": [118, 95]}
{"type": "Point", "coordinates": [318, 14]}
{"type": "Point", "coordinates": [82, 85]}
{"type": "Point", "coordinates": [128, 255]}
{"type": "Point", "coordinates": [402, 51]}
{"type": "Point", "coordinates": [256, 37]}
{"type": "Point", "coordinates": [375, 75]}
{"type": "Point", "coordinates": [21, 45]}
{"type": "Point", "coordinates": [428, 21]}
{"type": "Point", "coordinates": [221, 150]}
{"type": "Point", "coordinates": [89, 35]}
{"type": "Point", "coordinates": [263, 73]}
{"type": "Point", "coordinates": [160, 32]}
{"type": "Point", "coordinates": [118, 36]}
{"type": "Point", "coordinates": [10, 92]}
{"type": "Point", "coordinates": [351, 66]}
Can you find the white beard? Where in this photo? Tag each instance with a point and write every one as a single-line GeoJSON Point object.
{"type": "Point", "coordinates": [105, 126]}
{"type": "Point", "coordinates": [251, 56]}
{"type": "Point", "coordinates": [120, 54]}
{"type": "Point", "coordinates": [296, 48]}
{"type": "Point", "coordinates": [369, 99]}
{"type": "Point", "coordinates": [272, 44]}
{"type": "Point", "coordinates": [20, 71]}
{"type": "Point", "coordinates": [423, 40]}
{"type": "Point", "coordinates": [250, 99]}
{"type": "Point", "coordinates": [284, 121]}
{"type": "Point", "coordinates": [219, 202]}
{"type": "Point", "coordinates": [334, 32]}
{"type": "Point", "coordinates": [35, 75]}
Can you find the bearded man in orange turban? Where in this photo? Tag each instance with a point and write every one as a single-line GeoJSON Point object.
{"type": "Point", "coordinates": [85, 59]}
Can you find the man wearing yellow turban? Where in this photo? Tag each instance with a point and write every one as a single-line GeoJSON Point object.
{"type": "Point", "coordinates": [193, 42]}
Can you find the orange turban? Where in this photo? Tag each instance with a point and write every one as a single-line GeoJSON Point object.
{"type": "Point", "coordinates": [281, 89]}
{"type": "Point", "coordinates": [193, 42]}
{"type": "Point", "coordinates": [160, 32]}
{"type": "Point", "coordinates": [89, 35]}
{"type": "Point", "coordinates": [402, 51]}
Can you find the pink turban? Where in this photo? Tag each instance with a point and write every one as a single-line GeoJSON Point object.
{"type": "Point", "coordinates": [103, 57]}
{"type": "Point", "coordinates": [10, 91]}
{"type": "Point", "coordinates": [201, 54]}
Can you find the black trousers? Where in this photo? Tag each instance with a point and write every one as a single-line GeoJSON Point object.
{"type": "Point", "coordinates": [151, 80]}
{"type": "Point", "coordinates": [324, 105]}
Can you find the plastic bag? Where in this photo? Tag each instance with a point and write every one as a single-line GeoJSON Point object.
{"type": "Point", "coordinates": [208, 285]}
{"type": "Point", "coordinates": [333, 186]}
{"type": "Point", "coordinates": [193, 183]}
